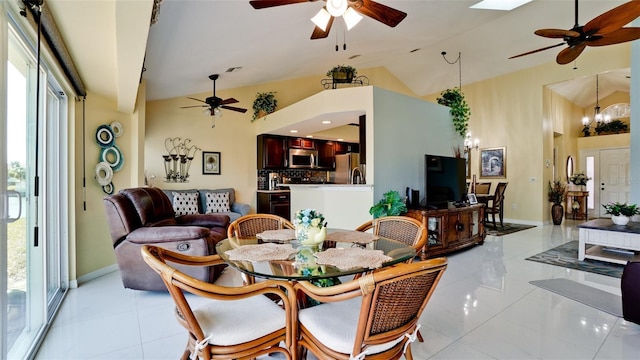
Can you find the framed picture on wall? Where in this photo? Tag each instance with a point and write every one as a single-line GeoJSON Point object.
{"type": "Point", "coordinates": [210, 163]}
{"type": "Point", "coordinates": [493, 163]}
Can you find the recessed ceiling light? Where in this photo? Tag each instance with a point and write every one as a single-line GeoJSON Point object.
{"type": "Point", "coordinates": [326, 121]}
{"type": "Point", "coordinates": [293, 131]}
{"type": "Point", "coordinates": [340, 139]}
{"type": "Point", "coordinates": [309, 136]}
{"type": "Point", "coordinates": [506, 5]}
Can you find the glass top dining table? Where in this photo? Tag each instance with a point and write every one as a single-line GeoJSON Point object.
{"type": "Point", "coordinates": [294, 269]}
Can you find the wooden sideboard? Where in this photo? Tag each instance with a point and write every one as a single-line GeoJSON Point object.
{"type": "Point", "coordinates": [451, 229]}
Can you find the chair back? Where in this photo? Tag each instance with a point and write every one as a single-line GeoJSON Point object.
{"type": "Point", "coordinates": [499, 195]}
{"type": "Point", "coordinates": [248, 226]}
{"type": "Point", "coordinates": [202, 341]}
{"type": "Point", "coordinates": [483, 188]}
{"type": "Point", "coordinates": [405, 229]}
{"type": "Point", "coordinates": [393, 300]}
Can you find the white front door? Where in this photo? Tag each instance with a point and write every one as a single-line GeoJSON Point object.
{"type": "Point", "coordinates": [614, 177]}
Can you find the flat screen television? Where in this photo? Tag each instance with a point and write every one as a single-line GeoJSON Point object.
{"type": "Point", "coordinates": [445, 180]}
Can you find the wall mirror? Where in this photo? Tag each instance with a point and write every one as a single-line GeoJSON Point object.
{"type": "Point", "coordinates": [569, 166]}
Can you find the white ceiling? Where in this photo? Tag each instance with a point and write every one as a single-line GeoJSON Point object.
{"type": "Point", "coordinates": [196, 38]}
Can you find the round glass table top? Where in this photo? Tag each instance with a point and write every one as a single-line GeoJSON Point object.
{"type": "Point", "coordinates": [301, 265]}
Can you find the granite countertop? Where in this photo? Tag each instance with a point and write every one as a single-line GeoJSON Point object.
{"type": "Point", "coordinates": [275, 191]}
{"type": "Point", "coordinates": [608, 225]}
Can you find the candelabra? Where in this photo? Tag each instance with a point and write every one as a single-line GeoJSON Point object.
{"type": "Point", "coordinates": [178, 159]}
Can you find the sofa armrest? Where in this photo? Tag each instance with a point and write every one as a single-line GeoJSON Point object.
{"type": "Point", "coordinates": [240, 208]}
{"type": "Point", "coordinates": [205, 220]}
{"type": "Point", "coordinates": [165, 234]}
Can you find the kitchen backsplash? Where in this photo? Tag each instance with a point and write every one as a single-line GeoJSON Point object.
{"type": "Point", "coordinates": [300, 175]}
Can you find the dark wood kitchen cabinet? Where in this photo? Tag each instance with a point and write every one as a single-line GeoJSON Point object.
{"type": "Point", "coordinates": [302, 143]}
{"type": "Point", "coordinates": [344, 148]}
{"type": "Point", "coordinates": [272, 152]}
{"type": "Point", "coordinates": [276, 203]}
{"type": "Point", "coordinates": [326, 154]}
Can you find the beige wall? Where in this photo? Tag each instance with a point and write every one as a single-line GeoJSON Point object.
{"type": "Point", "coordinates": [506, 111]}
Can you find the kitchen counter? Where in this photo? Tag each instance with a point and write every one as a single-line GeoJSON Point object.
{"type": "Point", "coordinates": [344, 206]}
{"type": "Point", "coordinates": [277, 191]}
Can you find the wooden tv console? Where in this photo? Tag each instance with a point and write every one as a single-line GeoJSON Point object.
{"type": "Point", "coordinates": [451, 229]}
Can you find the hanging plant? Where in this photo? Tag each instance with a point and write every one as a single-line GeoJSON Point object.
{"type": "Point", "coordinates": [460, 111]}
{"type": "Point", "coordinates": [265, 103]}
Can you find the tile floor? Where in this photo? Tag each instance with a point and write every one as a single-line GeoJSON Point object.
{"type": "Point", "coordinates": [484, 308]}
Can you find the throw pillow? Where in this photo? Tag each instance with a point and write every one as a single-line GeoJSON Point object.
{"type": "Point", "coordinates": [185, 203]}
{"type": "Point", "coordinates": [218, 202]}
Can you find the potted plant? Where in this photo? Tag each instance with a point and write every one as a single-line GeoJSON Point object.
{"type": "Point", "coordinates": [342, 73]}
{"type": "Point", "coordinates": [556, 193]}
{"type": "Point", "coordinates": [460, 111]}
{"type": "Point", "coordinates": [612, 127]}
{"type": "Point", "coordinates": [620, 213]}
{"type": "Point", "coordinates": [579, 179]}
{"type": "Point", "coordinates": [390, 205]}
{"type": "Point", "coordinates": [265, 103]}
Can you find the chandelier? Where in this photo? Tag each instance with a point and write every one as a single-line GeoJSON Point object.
{"type": "Point", "coordinates": [597, 115]}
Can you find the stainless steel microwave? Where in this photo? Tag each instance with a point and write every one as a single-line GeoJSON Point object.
{"type": "Point", "coordinates": [303, 159]}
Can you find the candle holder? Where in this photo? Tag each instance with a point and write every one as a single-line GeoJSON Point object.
{"type": "Point", "coordinates": [178, 160]}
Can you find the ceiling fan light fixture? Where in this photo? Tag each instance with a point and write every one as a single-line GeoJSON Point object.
{"type": "Point", "coordinates": [337, 7]}
{"type": "Point", "coordinates": [321, 19]}
{"type": "Point", "coordinates": [216, 113]}
{"type": "Point", "coordinates": [351, 18]}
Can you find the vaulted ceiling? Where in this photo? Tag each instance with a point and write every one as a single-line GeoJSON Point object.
{"type": "Point", "coordinates": [196, 38]}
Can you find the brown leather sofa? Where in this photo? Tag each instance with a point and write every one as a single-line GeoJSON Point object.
{"type": "Point", "coordinates": [140, 216]}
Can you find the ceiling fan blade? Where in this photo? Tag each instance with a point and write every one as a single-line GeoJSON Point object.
{"type": "Point", "coordinates": [556, 33]}
{"type": "Point", "coordinates": [319, 33]}
{"type": "Point", "coordinates": [571, 53]}
{"type": "Point", "coordinates": [616, 37]}
{"type": "Point", "coordinates": [386, 15]}
{"type": "Point", "coordinates": [196, 99]}
{"type": "Point", "coordinates": [233, 108]}
{"type": "Point", "coordinates": [537, 50]}
{"type": "Point", "coordinates": [262, 4]}
{"type": "Point", "coordinates": [613, 19]}
{"type": "Point", "coordinates": [228, 101]}
{"type": "Point", "coordinates": [186, 107]}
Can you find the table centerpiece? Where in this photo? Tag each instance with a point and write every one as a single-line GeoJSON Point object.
{"type": "Point", "coordinates": [310, 227]}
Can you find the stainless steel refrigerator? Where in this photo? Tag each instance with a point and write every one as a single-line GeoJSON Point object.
{"type": "Point", "coordinates": [345, 163]}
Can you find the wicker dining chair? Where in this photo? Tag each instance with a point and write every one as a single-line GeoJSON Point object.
{"type": "Point", "coordinates": [374, 316]}
{"type": "Point", "coordinates": [496, 205]}
{"type": "Point", "coordinates": [405, 229]}
{"type": "Point", "coordinates": [248, 226]}
{"type": "Point", "coordinates": [483, 188]}
{"type": "Point", "coordinates": [252, 224]}
{"type": "Point", "coordinates": [234, 322]}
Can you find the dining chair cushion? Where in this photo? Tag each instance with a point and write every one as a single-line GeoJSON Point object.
{"type": "Point", "coordinates": [238, 321]}
{"type": "Point", "coordinates": [334, 325]}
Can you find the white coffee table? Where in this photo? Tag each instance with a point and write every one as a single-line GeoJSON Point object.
{"type": "Point", "coordinates": [612, 243]}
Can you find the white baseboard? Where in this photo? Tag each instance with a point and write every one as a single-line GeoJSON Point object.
{"type": "Point", "coordinates": [93, 275]}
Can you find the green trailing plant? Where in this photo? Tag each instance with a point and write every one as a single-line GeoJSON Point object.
{"type": "Point", "coordinates": [556, 192]}
{"type": "Point", "coordinates": [265, 101]}
{"type": "Point", "coordinates": [614, 126]}
{"type": "Point", "coordinates": [391, 204]}
{"type": "Point", "coordinates": [460, 111]}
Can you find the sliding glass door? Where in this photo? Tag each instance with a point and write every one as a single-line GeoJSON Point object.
{"type": "Point", "coordinates": [33, 197]}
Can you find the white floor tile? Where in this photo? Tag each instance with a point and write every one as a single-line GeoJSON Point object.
{"type": "Point", "coordinates": [483, 308]}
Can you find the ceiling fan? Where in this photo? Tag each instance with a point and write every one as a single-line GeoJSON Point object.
{"type": "Point", "coordinates": [215, 103]}
{"type": "Point", "coordinates": [382, 13]}
{"type": "Point", "coordinates": [605, 29]}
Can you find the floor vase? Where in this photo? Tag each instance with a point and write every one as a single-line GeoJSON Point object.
{"type": "Point", "coordinates": [557, 212]}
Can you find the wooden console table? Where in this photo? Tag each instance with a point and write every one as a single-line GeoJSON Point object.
{"type": "Point", "coordinates": [612, 243]}
{"type": "Point", "coordinates": [451, 229]}
{"type": "Point", "coordinates": [579, 198]}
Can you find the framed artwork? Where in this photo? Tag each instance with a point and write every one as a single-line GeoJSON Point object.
{"type": "Point", "coordinates": [467, 161]}
{"type": "Point", "coordinates": [210, 163]}
{"type": "Point", "coordinates": [493, 163]}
